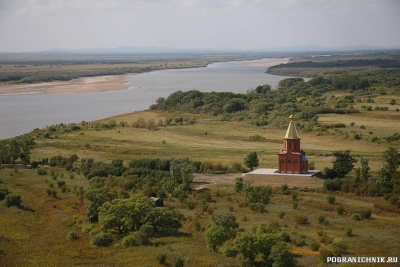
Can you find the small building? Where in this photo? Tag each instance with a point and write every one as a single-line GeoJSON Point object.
{"type": "Point", "coordinates": [291, 158]}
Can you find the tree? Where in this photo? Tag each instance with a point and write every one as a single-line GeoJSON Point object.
{"type": "Point", "coordinates": [227, 221]}
{"type": "Point", "coordinates": [363, 173]}
{"type": "Point", "coordinates": [239, 184]}
{"type": "Point", "coordinates": [98, 198]}
{"type": "Point", "coordinates": [215, 236]}
{"type": "Point", "coordinates": [113, 215]}
{"type": "Point", "coordinates": [344, 163]}
{"type": "Point", "coordinates": [281, 256]}
{"type": "Point", "coordinates": [247, 247]}
{"type": "Point", "coordinates": [391, 159]}
{"type": "Point", "coordinates": [163, 221]}
{"type": "Point", "coordinates": [251, 160]}
{"type": "Point", "coordinates": [181, 171]}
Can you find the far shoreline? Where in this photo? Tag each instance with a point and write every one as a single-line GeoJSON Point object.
{"type": "Point", "coordinates": [95, 84]}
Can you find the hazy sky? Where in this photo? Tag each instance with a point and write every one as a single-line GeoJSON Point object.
{"type": "Point", "coordinates": [32, 25]}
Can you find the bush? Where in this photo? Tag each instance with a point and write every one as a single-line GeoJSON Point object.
{"type": "Point", "coordinates": [366, 214]}
{"type": "Point", "coordinates": [162, 258]}
{"type": "Point", "coordinates": [229, 251]}
{"type": "Point", "coordinates": [321, 219]}
{"type": "Point", "coordinates": [281, 214]}
{"type": "Point", "coordinates": [339, 247]}
{"type": "Point", "coordinates": [324, 254]}
{"type": "Point", "coordinates": [331, 199]}
{"type": "Point", "coordinates": [72, 236]}
{"type": "Point", "coordinates": [301, 241]}
{"type": "Point", "coordinates": [302, 220]}
{"type": "Point", "coordinates": [311, 165]}
{"type": "Point", "coordinates": [257, 207]}
{"type": "Point", "coordinates": [239, 184]}
{"type": "Point", "coordinates": [130, 240]}
{"type": "Point", "coordinates": [340, 210]}
{"type": "Point", "coordinates": [101, 240]}
{"type": "Point", "coordinates": [13, 200]}
{"type": "Point", "coordinates": [294, 195]}
{"type": "Point", "coordinates": [3, 191]}
{"type": "Point", "coordinates": [355, 217]}
{"type": "Point", "coordinates": [349, 232]}
{"type": "Point", "coordinates": [178, 262]}
{"type": "Point", "coordinates": [314, 245]}
{"type": "Point", "coordinates": [41, 171]}
{"type": "Point", "coordinates": [60, 184]}
{"type": "Point", "coordinates": [333, 185]}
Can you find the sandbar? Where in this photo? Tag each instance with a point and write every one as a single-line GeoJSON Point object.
{"type": "Point", "coordinates": [80, 85]}
{"type": "Point", "coordinates": [267, 64]}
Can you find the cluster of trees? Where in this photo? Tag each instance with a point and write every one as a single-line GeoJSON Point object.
{"type": "Point", "coordinates": [266, 246]}
{"type": "Point", "coordinates": [10, 198]}
{"type": "Point", "coordinates": [137, 218]}
{"type": "Point", "coordinates": [263, 106]}
{"type": "Point", "coordinates": [387, 182]}
{"type": "Point", "coordinates": [16, 149]}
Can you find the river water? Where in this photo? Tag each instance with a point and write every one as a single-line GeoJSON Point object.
{"type": "Point", "coordinates": [20, 114]}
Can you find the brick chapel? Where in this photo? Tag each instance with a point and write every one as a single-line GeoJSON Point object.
{"type": "Point", "coordinates": [291, 158]}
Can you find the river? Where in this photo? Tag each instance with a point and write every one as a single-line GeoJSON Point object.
{"type": "Point", "coordinates": [22, 113]}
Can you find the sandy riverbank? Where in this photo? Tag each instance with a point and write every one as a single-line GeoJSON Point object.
{"type": "Point", "coordinates": [268, 64]}
{"type": "Point", "coordinates": [84, 84]}
{"type": "Point", "coordinates": [81, 85]}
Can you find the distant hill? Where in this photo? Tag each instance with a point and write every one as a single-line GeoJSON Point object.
{"type": "Point", "coordinates": [148, 50]}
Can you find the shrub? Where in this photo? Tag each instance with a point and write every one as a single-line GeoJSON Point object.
{"type": "Point", "coordinates": [285, 189]}
{"type": "Point", "coordinates": [340, 210]}
{"type": "Point", "coordinates": [229, 251]}
{"type": "Point", "coordinates": [301, 241]}
{"type": "Point", "coordinates": [162, 258]}
{"type": "Point", "coordinates": [295, 205]}
{"type": "Point", "coordinates": [366, 214]}
{"type": "Point", "coordinates": [333, 185]}
{"type": "Point", "coordinates": [331, 199]}
{"type": "Point", "coordinates": [349, 232]}
{"type": "Point", "coordinates": [281, 214]}
{"type": "Point", "coordinates": [72, 236]}
{"type": "Point", "coordinates": [311, 165]}
{"type": "Point", "coordinates": [257, 207]}
{"type": "Point", "coordinates": [178, 262]}
{"type": "Point", "coordinates": [60, 183]}
{"type": "Point", "coordinates": [294, 195]}
{"type": "Point", "coordinates": [355, 217]}
{"type": "Point", "coordinates": [130, 240]}
{"type": "Point", "coordinates": [314, 245]}
{"type": "Point", "coordinates": [324, 253]}
{"type": "Point", "coordinates": [101, 240]}
{"type": "Point", "coordinates": [239, 184]}
{"type": "Point", "coordinates": [3, 191]}
{"type": "Point", "coordinates": [41, 171]}
{"type": "Point", "coordinates": [13, 200]}
{"type": "Point", "coordinates": [321, 219]}
{"type": "Point", "coordinates": [302, 220]}
{"type": "Point", "coordinates": [339, 247]}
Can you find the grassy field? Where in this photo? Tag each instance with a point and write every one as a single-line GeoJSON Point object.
{"type": "Point", "coordinates": [36, 235]}
{"type": "Point", "coordinates": [40, 237]}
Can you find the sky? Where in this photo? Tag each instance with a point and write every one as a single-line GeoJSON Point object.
{"type": "Point", "coordinates": [37, 25]}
